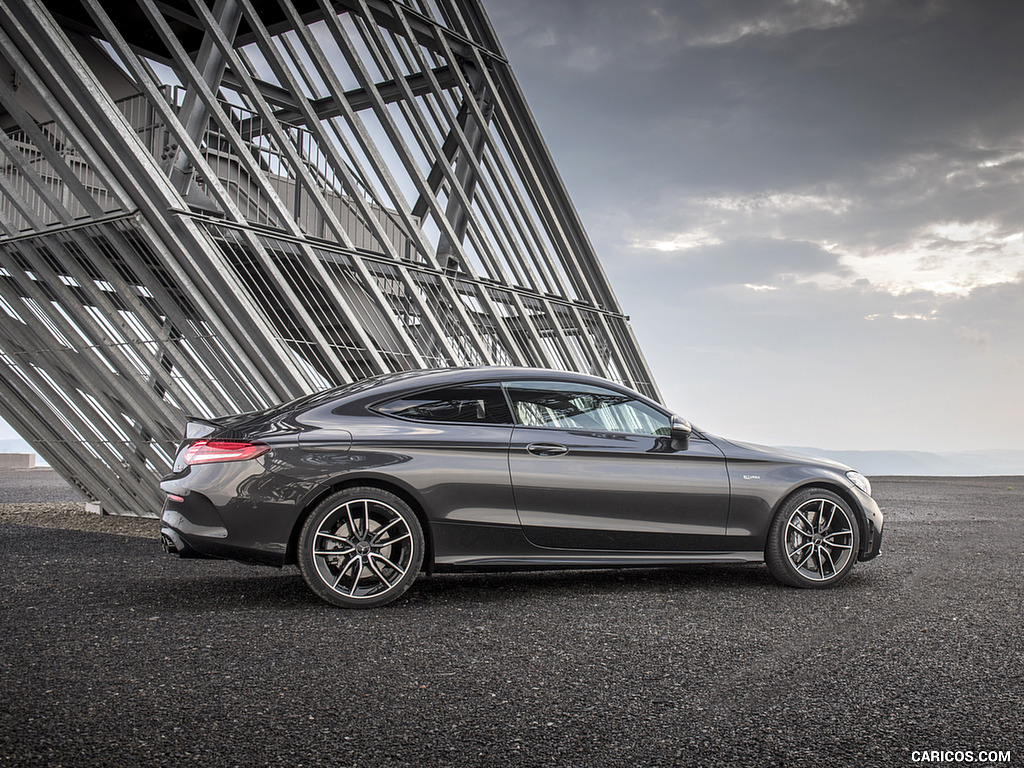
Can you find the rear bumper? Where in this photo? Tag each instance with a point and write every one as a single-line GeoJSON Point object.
{"type": "Point", "coordinates": [193, 529]}
{"type": "Point", "coordinates": [174, 544]}
{"type": "Point", "coordinates": [188, 529]}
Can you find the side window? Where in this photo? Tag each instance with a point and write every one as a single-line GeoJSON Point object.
{"type": "Point", "coordinates": [580, 406]}
{"type": "Point", "coordinates": [467, 404]}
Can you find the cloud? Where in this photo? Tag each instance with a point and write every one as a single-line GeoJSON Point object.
{"type": "Point", "coordinates": [981, 340]}
{"type": "Point", "coordinates": [779, 203]}
{"type": "Point", "coordinates": [808, 208]}
{"type": "Point", "coordinates": [939, 256]}
{"type": "Point", "coordinates": [681, 241]}
{"type": "Point", "coordinates": [831, 102]}
{"type": "Point", "coordinates": [943, 257]}
{"type": "Point", "coordinates": [772, 19]}
{"type": "Point", "coordinates": [856, 365]}
{"type": "Point", "coordinates": [695, 263]}
{"type": "Point", "coordinates": [865, 137]}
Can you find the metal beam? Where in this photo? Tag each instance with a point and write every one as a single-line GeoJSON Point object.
{"type": "Point", "coordinates": [327, 107]}
{"type": "Point", "coordinates": [348, 187]}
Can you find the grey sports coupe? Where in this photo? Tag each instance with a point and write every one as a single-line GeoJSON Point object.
{"type": "Point", "coordinates": [369, 484]}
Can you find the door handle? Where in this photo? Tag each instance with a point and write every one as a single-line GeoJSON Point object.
{"type": "Point", "coordinates": [546, 449]}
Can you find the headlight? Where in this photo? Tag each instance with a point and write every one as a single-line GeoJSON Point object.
{"type": "Point", "coordinates": [860, 481]}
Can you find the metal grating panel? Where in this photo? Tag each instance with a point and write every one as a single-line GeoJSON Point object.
{"type": "Point", "coordinates": [212, 208]}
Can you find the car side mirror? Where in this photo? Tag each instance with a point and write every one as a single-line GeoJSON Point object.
{"type": "Point", "coordinates": [680, 431]}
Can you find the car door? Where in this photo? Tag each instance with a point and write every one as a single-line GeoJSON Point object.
{"type": "Point", "coordinates": [594, 468]}
{"type": "Point", "coordinates": [452, 443]}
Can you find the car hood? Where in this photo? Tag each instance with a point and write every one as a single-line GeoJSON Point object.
{"type": "Point", "coordinates": [734, 449]}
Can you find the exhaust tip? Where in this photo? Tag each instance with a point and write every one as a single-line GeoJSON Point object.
{"type": "Point", "coordinates": [168, 543]}
{"type": "Point", "coordinates": [173, 544]}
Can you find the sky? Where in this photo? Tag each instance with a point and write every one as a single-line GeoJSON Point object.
{"type": "Point", "coordinates": [812, 210]}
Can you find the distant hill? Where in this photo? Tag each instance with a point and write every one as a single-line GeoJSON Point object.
{"type": "Point", "coordinates": [1006, 462]}
{"type": "Point", "coordinates": [995, 462]}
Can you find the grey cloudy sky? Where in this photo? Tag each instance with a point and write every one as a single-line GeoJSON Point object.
{"type": "Point", "coordinates": [811, 209]}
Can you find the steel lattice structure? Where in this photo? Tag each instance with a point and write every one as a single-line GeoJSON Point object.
{"type": "Point", "coordinates": [213, 207]}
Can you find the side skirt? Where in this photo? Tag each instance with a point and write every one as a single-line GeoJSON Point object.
{"type": "Point", "coordinates": [591, 560]}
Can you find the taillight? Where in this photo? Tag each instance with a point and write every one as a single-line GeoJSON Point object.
{"type": "Point", "coordinates": [209, 451]}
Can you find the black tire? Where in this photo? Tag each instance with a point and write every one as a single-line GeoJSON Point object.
{"type": "Point", "coordinates": [361, 548]}
{"type": "Point", "coordinates": [813, 540]}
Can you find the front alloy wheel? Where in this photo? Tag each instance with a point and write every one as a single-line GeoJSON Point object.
{"type": "Point", "coordinates": [360, 548]}
{"type": "Point", "coordinates": [813, 541]}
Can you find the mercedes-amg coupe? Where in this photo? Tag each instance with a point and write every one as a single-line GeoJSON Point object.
{"type": "Point", "coordinates": [367, 485]}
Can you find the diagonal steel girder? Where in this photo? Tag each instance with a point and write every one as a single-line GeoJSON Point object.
{"type": "Point", "coordinates": [282, 195]}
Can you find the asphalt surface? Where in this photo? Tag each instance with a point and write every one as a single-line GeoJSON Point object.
{"type": "Point", "coordinates": [113, 654]}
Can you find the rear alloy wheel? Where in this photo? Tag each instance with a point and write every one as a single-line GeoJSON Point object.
{"type": "Point", "coordinates": [813, 541]}
{"type": "Point", "coordinates": [361, 547]}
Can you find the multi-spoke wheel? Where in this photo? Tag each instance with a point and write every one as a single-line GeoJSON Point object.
{"type": "Point", "coordinates": [360, 547]}
{"type": "Point", "coordinates": [813, 540]}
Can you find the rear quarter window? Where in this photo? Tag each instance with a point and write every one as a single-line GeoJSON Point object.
{"type": "Point", "coordinates": [464, 404]}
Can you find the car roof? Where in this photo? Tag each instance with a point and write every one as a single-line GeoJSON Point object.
{"type": "Point", "coordinates": [379, 387]}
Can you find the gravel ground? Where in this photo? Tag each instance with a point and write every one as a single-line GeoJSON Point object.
{"type": "Point", "coordinates": [39, 484]}
{"type": "Point", "coordinates": [40, 497]}
{"type": "Point", "coordinates": [113, 654]}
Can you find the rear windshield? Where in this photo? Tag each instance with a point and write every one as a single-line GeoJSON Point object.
{"type": "Point", "coordinates": [328, 395]}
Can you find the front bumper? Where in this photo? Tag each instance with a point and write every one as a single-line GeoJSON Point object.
{"type": "Point", "coordinates": [871, 530]}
